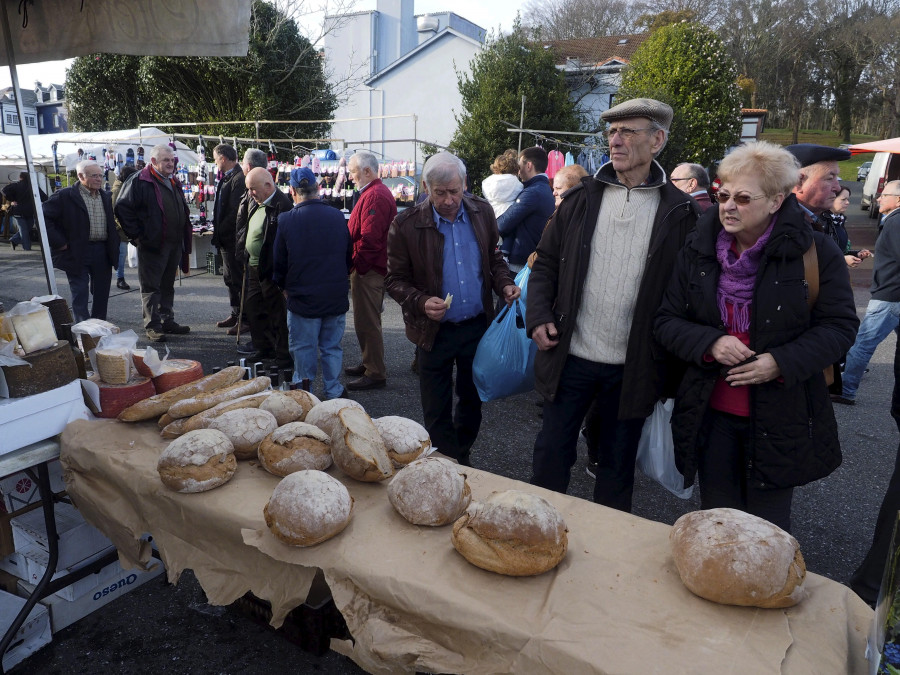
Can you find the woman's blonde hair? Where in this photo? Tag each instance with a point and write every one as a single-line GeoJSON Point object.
{"type": "Point", "coordinates": [778, 170]}
{"type": "Point", "coordinates": [571, 174]}
{"type": "Point", "coordinates": [508, 162]}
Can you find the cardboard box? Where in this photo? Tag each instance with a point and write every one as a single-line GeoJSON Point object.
{"type": "Point", "coordinates": [77, 539]}
{"type": "Point", "coordinates": [63, 613]}
{"type": "Point", "coordinates": [27, 420]}
{"type": "Point", "coordinates": [13, 564]}
{"type": "Point", "coordinates": [6, 539]}
{"type": "Point", "coordinates": [31, 636]}
{"type": "Point", "coordinates": [19, 490]}
{"type": "Point", "coordinates": [32, 562]}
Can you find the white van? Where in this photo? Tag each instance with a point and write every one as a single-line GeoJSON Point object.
{"type": "Point", "coordinates": [885, 168]}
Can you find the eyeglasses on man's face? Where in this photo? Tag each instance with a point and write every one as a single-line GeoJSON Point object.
{"type": "Point", "coordinates": [740, 200]}
{"type": "Point", "coordinates": [625, 133]}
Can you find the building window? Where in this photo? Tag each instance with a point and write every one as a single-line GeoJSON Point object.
{"type": "Point", "coordinates": [41, 122]}
{"type": "Point", "coordinates": [55, 120]}
{"type": "Point", "coordinates": [12, 118]}
{"type": "Point", "coordinates": [30, 121]}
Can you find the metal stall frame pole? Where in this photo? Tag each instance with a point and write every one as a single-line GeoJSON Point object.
{"type": "Point", "coordinates": [35, 188]}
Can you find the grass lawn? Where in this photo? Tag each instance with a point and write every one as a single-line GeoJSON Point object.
{"type": "Point", "coordinates": [848, 168]}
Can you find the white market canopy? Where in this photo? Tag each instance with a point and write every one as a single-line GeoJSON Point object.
{"type": "Point", "coordinates": [63, 29]}
{"type": "Point", "coordinates": [95, 143]}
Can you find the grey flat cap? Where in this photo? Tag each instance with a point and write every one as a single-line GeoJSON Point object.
{"type": "Point", "coordinates": [654, 110]}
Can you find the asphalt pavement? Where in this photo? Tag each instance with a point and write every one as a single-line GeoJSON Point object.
{"type": "Point", "coordinates": [159, 627]}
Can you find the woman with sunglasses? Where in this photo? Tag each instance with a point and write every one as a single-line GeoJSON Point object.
{"type": "Point", "coordinates": [753, 416]}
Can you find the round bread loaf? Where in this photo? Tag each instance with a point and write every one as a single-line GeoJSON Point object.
{"type": "Point", "coordinates": [430, 491]}
{"type": "Point", "coordinates": [245, 428]}
{"type": "Point", "coordinates": [308, 507]}
{"type": "Point", "coordinates": [404, 439]}
{"type": "Point", "coordinates": [324, 414]}
{"type": "Point", "coordinates": [512, 532]}
{"type": "Point", "coordinates": [734, 558]}
{"type": "Point", "coordinates": [306, 400]}
{"type": "Point", "coordinates": [197, 461]}
{"type": "Point", "coordinates": [284, 407]}
{"type": "Point", "coordinates": [296, 446]}
{"type": "Point", "coordinates": [357, 448]}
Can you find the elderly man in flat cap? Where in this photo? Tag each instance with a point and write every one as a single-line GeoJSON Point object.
{"type": "Point", "coordinates": [819, 174]}
{"type": "Point", "coordinates": [602, 266]}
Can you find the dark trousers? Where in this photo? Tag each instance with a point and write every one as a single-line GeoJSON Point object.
{"type": "Point", "coordinates": [93, 278]}
{"type": "Point", "coordinates": [583, 382]}
{"type": "Point", "coordinates": [722, 470]}
{"type": "Point", "coordinates": [455, 343]}
{"type": "Point", "coordinates": [233, 275]}
{"type": "Point", "coordinates": [156, 274]}
{"type": "Point", "coordinates": [265, 307]}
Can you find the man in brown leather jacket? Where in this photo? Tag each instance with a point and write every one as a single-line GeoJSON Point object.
{"type": "Point", "coordinates": [443, 263]}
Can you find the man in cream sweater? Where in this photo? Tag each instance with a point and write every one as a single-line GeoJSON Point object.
{"type": "Point", "coordinates": [602, 267]}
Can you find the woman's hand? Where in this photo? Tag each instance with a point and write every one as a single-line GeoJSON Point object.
{"type": "Point", "coordinates": [852, 260]}
{"type": "Point", "coordinates": [729, 351]}
{"type": "Point", "coordinates": [865, 253]}
{"type": "Point", "coordinates": [761, 369]}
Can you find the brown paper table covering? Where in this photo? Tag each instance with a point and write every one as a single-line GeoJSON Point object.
{"type": "Point", "coordinates": [614, 605]}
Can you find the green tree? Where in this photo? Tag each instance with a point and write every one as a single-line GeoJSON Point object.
{"type": "Point", "coordinates": [508, 68]}
{"type": "Point", "coordinates": [686, 66]}
{"type": "Point", "coordinates": [281, 78]}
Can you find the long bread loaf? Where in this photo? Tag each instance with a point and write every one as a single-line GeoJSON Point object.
{"type": "Point", "coordinates": [202, 419]}
{"type": "Point", "coordinates": [159, 404]}
{"type": "Point", "coordinates": [197, 404]}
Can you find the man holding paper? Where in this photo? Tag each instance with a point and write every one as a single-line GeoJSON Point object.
{"type": "Point", "coordinates": [443, 263]}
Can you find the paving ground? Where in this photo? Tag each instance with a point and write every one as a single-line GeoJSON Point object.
{"type": "Point", "coordinates": [159, 627]}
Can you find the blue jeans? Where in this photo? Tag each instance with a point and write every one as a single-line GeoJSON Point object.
{"type": "Point", "coordinates": [881, 318]}
{"type": "Point", "coordinates": [309, 337]}
{"type": "Point", "coordinates": [120, 268]}
{"type": "Point", "coordinates": [23, 236]}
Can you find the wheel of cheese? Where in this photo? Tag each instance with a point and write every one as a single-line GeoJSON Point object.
{"type": "Point", "coordinates": [512, 532]}
{"type": "Point", "coordinates": [137, 356]}
{"type": "Point", "coordinates": [308, 507]}
{"type": "Point", "coordinates": [734, 558]}
{"type": "Point", "coordinates": [177, 372]}
{"type": "Point", "coordinates": [114, 398]}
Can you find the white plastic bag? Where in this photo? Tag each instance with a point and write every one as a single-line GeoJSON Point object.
{"type": "Point", "coordinates": [132, 255]}
{"type": "Point", "coordinates": [656, 451]}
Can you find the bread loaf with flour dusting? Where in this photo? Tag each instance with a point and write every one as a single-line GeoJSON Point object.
{"type": "Point", "coordinates": [308, 507]}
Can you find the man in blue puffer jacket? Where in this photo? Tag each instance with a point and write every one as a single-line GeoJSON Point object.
{"type": "Point", "coordinates": [522, 224]}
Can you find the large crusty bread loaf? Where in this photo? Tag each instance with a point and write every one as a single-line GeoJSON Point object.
{"type": "Point", "coordinates": [512, 532]}
{"type": "Point", "coordinates": [284, 407]}
{"type": "Point", "coordinates": [404, 439]}
{"type": "Point", "coordinates": [197, 461]}
{"type": "Point", "coordinates": [308, 507]}
{"type": "Point", "coordinates": [175, 428]}
{"type": "Point", "coordinates": [202, 419]}
{"type": "Point", "coordinates": [357, 448]}
{"type": "Point", "coordinates": [306, 400]}
{"type": "Point", "coordinates": [324, 414]}
{"type": "Point", "coordinates": [160, 403]}
{"type": "Point", "coordinates": [734, 558]}
{"type": "Point", "coordinates": [295, 446]}
{"type": "Point", "coordinates": [245, 428]}
{"type": "Point", "coordinates": [191, 406]}
{"type": "Point", "coordinates": [430, 491]}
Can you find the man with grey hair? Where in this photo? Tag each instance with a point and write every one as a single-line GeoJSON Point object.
{"type": "Point", "coordinates": [694, 180]}
{"type": "Point", "coordinates": [154, 215]}
{"type": "Point", "coordinates": [369, 222]}
{"type": "Point", "coordinates": [443, 264]}
{"type": "Point", "coordinates": [83, 239]}
{"type": "Point", "coordinates": [602, 266]}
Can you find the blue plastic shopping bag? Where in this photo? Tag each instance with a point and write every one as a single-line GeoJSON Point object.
{"type": "Point", "coordinates": [504, 360]}
{"type": "Point", "coordinates": [522, 283]}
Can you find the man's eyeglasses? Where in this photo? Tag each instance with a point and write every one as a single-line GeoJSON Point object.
{"type": "Point", "coordinates": [888, 194]}
{"type": "Point", "coordinates": [740, 200]}
{"type": "Point", "coordinates": [675, 180]}
{"type": "Point", "coordinates": [624, 132]}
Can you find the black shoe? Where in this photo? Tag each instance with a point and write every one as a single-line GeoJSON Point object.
{"type": "Point", "coordinates": [355, 371]}
{"type": "Point", "coordinates": [227, 323]}
{"type": "Point", "coordinates": [121, 283]}
{"type": "Point", "coordinates": [14, 244]}
{"type": "Point", "coordinates": [843, 400]}
{"type": "Point", "coordinates": [284, 364]}
{"type": "Point", "coordinates": [155, 335]}
{"type": "Point", "coordinates": [174, 328]}
{"type": "Point", "coordinates": [260, 356]}
{"type": "Point", "coordinates": [366, 382]}
{"type": "Point", "coordinates": [247, 348]}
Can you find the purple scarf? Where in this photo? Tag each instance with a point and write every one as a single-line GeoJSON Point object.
{"type": "Point", "coordinates": [737, 278]}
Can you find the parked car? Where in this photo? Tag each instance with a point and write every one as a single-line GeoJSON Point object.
{"type": "Point", "coordinates": [885, 168]}
{"type": "Point", "coordinates": [863, 171]}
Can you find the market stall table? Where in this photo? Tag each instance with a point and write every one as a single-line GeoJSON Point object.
{"type": "Point", "coordinates": [614, 605]}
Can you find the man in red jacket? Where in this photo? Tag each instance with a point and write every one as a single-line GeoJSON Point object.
{"type": "Point", "coordinates": [369, 223]}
